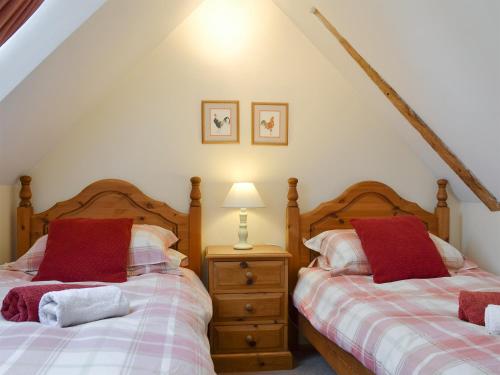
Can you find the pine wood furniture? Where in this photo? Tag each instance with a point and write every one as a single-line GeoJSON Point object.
{"type": "Point", "coordinates": [115, 199]}
{"type": "Point", "coordinates": [249, 290]}
{"type": "Point", "coordinates": [364, 199]}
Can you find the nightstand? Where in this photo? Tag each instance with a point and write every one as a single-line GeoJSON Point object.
{"type": "Point", "coordinates": [249, 290]}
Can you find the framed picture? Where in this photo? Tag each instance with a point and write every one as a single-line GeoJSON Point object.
{"type": "Point", "coordinates": [220, 121]}
{"type": "Point", "coordinates": [270, 123]}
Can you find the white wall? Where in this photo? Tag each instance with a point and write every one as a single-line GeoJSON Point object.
{"type": "Point", "coordinates": [148, 129]}
{"type": "Point", "coordinates": [73, 78]}
{"type": "Point", "coordinates": [6, 222]}
{"type": "Point", "coordinates": [481, 236]}
{"type": "Point", "coordinates": [442, 57]}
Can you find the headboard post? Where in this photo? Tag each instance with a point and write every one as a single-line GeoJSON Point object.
{"type": "Point", "coordinates": [24, 213]}
{"type": "Point", "coordinates": [293, 232]}
{"type": "Point", "coordinates": [442, 210]}
{"type": "Point", "coordinates": [195, 226]}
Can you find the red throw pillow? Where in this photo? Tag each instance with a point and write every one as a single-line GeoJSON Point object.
{"type": "Point", "coordinates": [399, 248]}
{"type": "Point", "coordinates": [86, 250]}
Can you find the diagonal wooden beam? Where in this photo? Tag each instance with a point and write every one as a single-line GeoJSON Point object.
{"type": "Point", "coordinates": [414, 119]}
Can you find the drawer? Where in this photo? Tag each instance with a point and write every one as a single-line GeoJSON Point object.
{"type": "Point", "coordinates": [257, 362]}
{"type": "Point", "coordinates": [248, 275]}
{"type": "Point", "coordinates": [249, 338]}
{"type": "Point", "coordinates": [251, 306]}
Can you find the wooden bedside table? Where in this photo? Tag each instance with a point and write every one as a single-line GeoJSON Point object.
{"type": "Point", "coordinates": [249, 290]}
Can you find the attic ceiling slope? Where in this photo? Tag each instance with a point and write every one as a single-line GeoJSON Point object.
{"type": "Point", "coordinates": [39, 36]}
{"type": "Point", "coordinates": [415, 120]}
{"type": "Point", "coordinates": [442, 57]}
{"type": "Point", "coordinates": [77, 75]}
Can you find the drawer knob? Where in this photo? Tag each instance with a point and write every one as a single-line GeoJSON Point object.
{"type": "Point", "coordinates": [250, 341]}
{"type": "Point", "coordinates": [249, 276]}
{"type": "Point", "coordinates": [243, 264]}
{"type": "Point", "coordinates": [249, 307]}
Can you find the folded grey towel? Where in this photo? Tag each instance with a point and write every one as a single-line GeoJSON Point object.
{"type": "Point", "coordinates": [76, 306]}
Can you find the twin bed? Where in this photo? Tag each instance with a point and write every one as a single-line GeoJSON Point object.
{"type": "Point", "coordinates": [359, 327]}
{"type": "Point", "coordinates": [403, 327]}
{"type": "Point", "coordinates": [165, 331]}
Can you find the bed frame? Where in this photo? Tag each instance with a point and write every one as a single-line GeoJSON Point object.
{"type": "Point", "coordinates": [364, 199]}
{"type": "Point", "coordinates": [115, 199]}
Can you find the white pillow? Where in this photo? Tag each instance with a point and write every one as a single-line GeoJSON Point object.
{"type": "Point", "coordinates": [149, 244]}
{"type": "Point", "coordinates": [341, 252]}
{"type": "Point", "coordinates": [452, 258]}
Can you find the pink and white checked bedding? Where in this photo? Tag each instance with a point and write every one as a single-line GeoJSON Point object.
{"type": "Point", "coordinates": [164, 333]}
{"type": "Point", "coordinates": [403, 327]}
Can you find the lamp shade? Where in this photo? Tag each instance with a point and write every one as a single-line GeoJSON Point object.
{"type": "Point", "coordinates": [243, 195]}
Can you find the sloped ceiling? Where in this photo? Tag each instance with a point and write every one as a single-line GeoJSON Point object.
{"type": "Point", "coordinates": [42, 33]}
{"type": "Point", "coordinates": [71, 80]}
{"type": "Point", "coordinates": [442, 57]}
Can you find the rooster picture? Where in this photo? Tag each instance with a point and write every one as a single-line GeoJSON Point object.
{"type": "Point", "coordinates": [269, 125]}
{"type": "Point", "coordinates": [219, 124]}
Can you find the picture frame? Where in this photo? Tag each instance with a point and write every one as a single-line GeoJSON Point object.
{"type": "Point", "coordinates": [269, 123]}
{"type": "Point", "coordinates": [220, 121]}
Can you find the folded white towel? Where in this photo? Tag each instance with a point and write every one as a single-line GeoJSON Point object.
{"type": "Point", "coordinates": [76, 306]}
{"type": "Point", "coordinates": [492, 319]}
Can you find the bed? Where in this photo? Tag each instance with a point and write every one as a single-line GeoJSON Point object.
{"type": "Point", "coordinates": [166, 329]}
{"type": "Point", "coordinates": [403, 327]}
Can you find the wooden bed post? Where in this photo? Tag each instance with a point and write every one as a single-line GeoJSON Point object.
{"type": "Point", "coordinates": [195, 225]}
{"type": "Point", "coordinates": [443, 211]}
{"type": "Point", "coordinates": [293, 227]}
{"type": "Point", "coordinates": [24, 213]}
{"type": "Point", "coordinates": [293, 247]}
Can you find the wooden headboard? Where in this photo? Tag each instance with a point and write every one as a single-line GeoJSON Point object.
{"type": "Point", "coordinates": [364, 199]}
{"type": "Point", "coordinates": [115, 199]}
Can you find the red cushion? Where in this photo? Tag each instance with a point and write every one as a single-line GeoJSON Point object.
{"type": "Point", "coordinates": [399, 248]}
{"type": "Point", "coordinates": [86, 250]}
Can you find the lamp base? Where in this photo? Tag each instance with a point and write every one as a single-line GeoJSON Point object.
{"type": "Point", "coordinates": [242, 246]}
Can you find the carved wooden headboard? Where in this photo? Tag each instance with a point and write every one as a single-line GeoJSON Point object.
{"type": "Point", "coordinates": [115, 199]}
{"type": "Point", "coordinates": [364, 199]}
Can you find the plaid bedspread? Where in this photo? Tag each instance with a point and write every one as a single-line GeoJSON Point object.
{"type": "Point", "coordinates": [165, 333]}
{"type": "Point", "coordinates": [404, 327]}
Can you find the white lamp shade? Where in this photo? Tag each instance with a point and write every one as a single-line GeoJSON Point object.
{"type": "Point", "coordinates": [243, 195]}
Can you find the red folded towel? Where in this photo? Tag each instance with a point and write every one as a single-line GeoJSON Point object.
{"type": "Point", "coordinates": [471, 305]}
{"type": "Point", "coordinates": [21, 303]}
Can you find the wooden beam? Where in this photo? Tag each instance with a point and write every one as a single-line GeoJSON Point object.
{"type": "Point", "coordinates": [414, 119]}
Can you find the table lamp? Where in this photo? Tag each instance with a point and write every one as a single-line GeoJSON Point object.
{"type": "Point", "coordinates": [243, 195]}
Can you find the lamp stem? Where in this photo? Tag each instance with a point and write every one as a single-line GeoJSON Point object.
{"type": "Point", "coordinates": [243, 232]}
